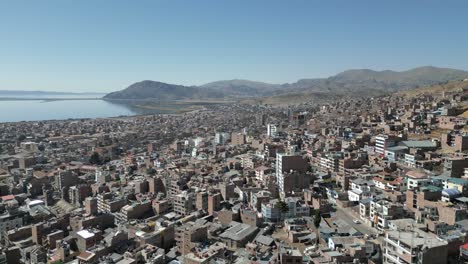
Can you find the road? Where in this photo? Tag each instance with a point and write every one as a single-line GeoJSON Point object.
{"type": "Point", "coordinates": [347, 215]}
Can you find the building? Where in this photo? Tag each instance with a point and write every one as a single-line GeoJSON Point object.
{"type": "Point", "coordinates": [260, 119]}
{"type": "Point", "coordinates": [12, 219]}
{"type": "Point", "coordinates": [454, 142]}
{"type": "Point", "coordinates": [287, 255]}
{"type": "Point", "coordinates": [109, 203]}
{"type": "Point", "coordinates": [189, 235]}
{"type": "Point", "coordinates": [91, 206]}
{"type": "Point", "coordinates": [416, 179]}
{"type": "Point", "coordinates": [214, 203]}
{"type": "Point", "coordinates": [65, 179]}
{"type": "Point", "coordinates": [183, 204]}
{"type": "Point", "coordinates": [238, 235]}
{"type": "Point", "coordinates": [294, 182]}
{"type": "Point", "coordinates": [360, 189]}
{"type": "Point", "coordinates": [416, 247]}
{"type": "Point", "coordinates": [288, 163]}
{"type": "Point", "coordinates": [237, 139]}
{"type": "Point", "coordinates": [258, 198]}
{"type": "Point", "coordinates": [381, 212]}
{"type": "Point", "coordinates": [136, 210]}
{"type": "Point", "coordinates": [382, 142]}
{"type": "Point", "coordinates": [221, 138]}
{"type": "Point", "coordinates": [87, 239]}
{"type": "Point", "coordinates": [271, 211]}
{"type": "Point", "coordinates": [455, 166]}
{"type": "Point", "coordinates": [204, 255]}
{"type": "Point", "coordinates": [272, 130]}
{"type": "Point", "coordinates": [201, 202]}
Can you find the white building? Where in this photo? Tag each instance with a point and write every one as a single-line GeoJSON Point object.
{"type": "Point", "coordinates": [272, 130]}
{"type": "Point", "coordinates": [360, 189]}
{"type": "Point", "coordinates": [416, 179]}
{"type": "Point", "coordinates": [410, 160]}
{"type": "Point", "coordinates": [382, 142]}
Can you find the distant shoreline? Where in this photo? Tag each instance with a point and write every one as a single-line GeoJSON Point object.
{"type": "Point", "coordinates": [45, 99]}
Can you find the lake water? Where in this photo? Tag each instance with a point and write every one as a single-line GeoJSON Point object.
{"type": "Point", "coordinates": [33, 110]}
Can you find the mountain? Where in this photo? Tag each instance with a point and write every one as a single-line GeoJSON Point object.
{"type": "Point", "coordinates": [163, 91]}
{"type": "Point", "coordinates": [243, 87]}
{"type": "Point", "coordinates": [392, 80]}
{"type": "Point", "coordinates": [362, 81]}
{"type": "Point", "coordinates": [437, 90]}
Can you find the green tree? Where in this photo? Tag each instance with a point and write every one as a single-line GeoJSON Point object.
{"type": "Point", "coordinates": [95, 158]}
{"type": "Point", "coordinates": [317, 220]}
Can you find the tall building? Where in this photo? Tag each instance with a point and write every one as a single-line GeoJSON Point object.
{"type": "Point", "coordinates": [221, 138]}
{"type": "Point", "coordinates": [156, 185]}
{"type": "Point", "coordinates": [183, 203]}
{"type": "Point", "coordinates": [227, 190]}
{"type": "Point", "coordinates": [382, 142]}
{"type": "Point", "coordinates": [202, 201]}
{"type": "Point", "coordinates": [65, 178]}
{"type": "Point", "coordinates": [237, 139]}
{"type": "Point", "coordinates": [272, 130]}
{"type": "Point", "coordinates": [214, 203]}
{"type": "Point", "coordinates": [189, 236]}
{"type": "Point", "coordinates": [287, 163]}
{"type": "Point", "coordinates": [260, 119]}
{"type": "Point", "coordinates": [91, 206]}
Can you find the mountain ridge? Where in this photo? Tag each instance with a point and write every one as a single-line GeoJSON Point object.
{"type": "Point", "coordinates": [354, 80]}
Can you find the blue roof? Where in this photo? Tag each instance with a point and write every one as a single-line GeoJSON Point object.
{"type": "Point", "coordinates": [451, 192]}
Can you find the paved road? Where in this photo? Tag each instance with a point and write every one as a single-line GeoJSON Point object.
{"type": "Point", "coordinates": [347, 215]}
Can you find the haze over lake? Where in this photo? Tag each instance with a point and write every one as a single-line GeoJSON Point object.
{"type": "Point", "coordinates": [33, 110]}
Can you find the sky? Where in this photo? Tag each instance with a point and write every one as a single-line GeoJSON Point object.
{"type": "Point", "coordinates": [106, 45]}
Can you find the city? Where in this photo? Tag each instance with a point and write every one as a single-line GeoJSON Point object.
{"type": "Point", "coordinates": [369, 180]}
{"type": "Point", "coordinates": [233, 132]}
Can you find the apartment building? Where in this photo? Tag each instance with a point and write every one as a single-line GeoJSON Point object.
{"type": "Point", "coordinates": [414, 247]}
{"type": "Point", "coordinates": [360, 189]}
{"type": "Point", "coordinates": [382, 142]}
{"type": "Point", "coordinates": [288, 163]}
{"type": "Point", "coordinates": [381, 212]}
{"type": "Point", "coordinates": [237, 139]}
{"type": "Point", "coordinates": [272, 130]}
{"type": "Point", "coordinates": [183, 204]}
{"type": "Point", "coordinates": [189, 236]}
{"type": "Point", "coordinates": [416, 179]}
{"type": "Point", "coordinates": [109, 203]}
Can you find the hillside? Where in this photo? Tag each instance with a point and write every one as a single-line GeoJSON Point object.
{"type": "Point", "coordinates": [243, 87]}
{"type": "Point", "coordinates": [308, 96]}
{"type": "Point", "coordinates": [437, 89]}
{"type": "Point", "coordinates": [149, 90]}
{"type": "Point", "coordinates": [352, 81]}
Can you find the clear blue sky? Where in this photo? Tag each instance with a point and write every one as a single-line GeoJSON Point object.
{"type": "Point", "coordinates": [98, 45]}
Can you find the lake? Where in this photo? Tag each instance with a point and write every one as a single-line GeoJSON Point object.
{"type": "Point", "coordinates": [34, 110]}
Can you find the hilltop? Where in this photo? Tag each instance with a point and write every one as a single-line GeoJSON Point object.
{"type": "Point", "coordinates": [362, 81]}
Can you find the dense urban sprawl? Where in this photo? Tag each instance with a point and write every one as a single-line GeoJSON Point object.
{"type": "Point", "coordinates": [370, 180]}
